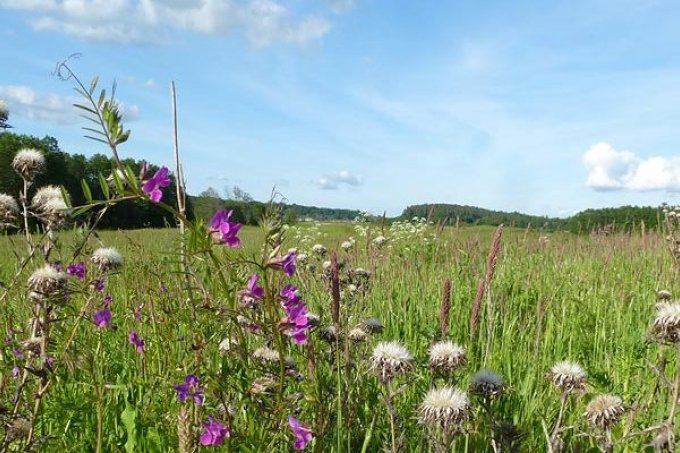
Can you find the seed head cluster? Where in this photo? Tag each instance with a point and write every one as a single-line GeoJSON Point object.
{"type": "Point", "coordinates": [28, 163]}
{"type": "Point", "coordinates": [604, 411]}
{"type": "Point", "coordinates": [107, 259]}
{"type": "Point", "coordinates": [8, 210]}
{"type": "Point", "coordinates": [51, 206]}
{"type": "Point", "coordinates": [47, 283]}
{"type": "Point", "coordinates": [447, 356]}
{"type": "Point", "coordinates": [568, 377]}
{"type": "Point", "coordinates": [390, 359]}
{"type": "Point", "coordinates": [666, 325]}
{"type": "Point", "coordinates": [447, 408]}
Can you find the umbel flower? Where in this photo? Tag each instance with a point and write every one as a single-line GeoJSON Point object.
{"type": "Point", "coordinates": [447, 356]}
{"type": "Point", "coordinates": [666, 325]}
{"type": "Point", "coordinates": [604, 411]}
{"type": "Point", "coordinates": [568, 377]}
{"type": "Point", "coordinates": [107, 258]}
{"type": "Point", "coordinates": [8, 210]}
{"type": "Point", "coordinates": [487, 384]}
{"type": "Point", "coordinates": [447, 408]}
{"type": "Point", "coordinates": [28, 163]}
{"type": "Point", "coordinates": [47, 283]}
{"type": "Point", "coordinates": [389, 359]}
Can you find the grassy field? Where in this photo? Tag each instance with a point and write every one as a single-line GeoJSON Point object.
{"type": "Point", "coordinates": [553, 297]}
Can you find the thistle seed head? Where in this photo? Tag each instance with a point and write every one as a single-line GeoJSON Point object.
{"type": "Point", "coordinates": [604, 411]}
{"type": "Point", "coordinates": [568, 377]}
{"type": "Point", "coordinates": [447, 408]}
{"type": "Point", "coordinates": [389, 359]}
{"type": "Point", "coordinates": [447, 356]}
{"type": "Point", "coordinates": [107, 258]}
{"type": "Point", "coordinates": [487, 384]}
{"type": "Point", "coordinates": [28, 162]}
{"type": "Point", "coordinates": [47, 283]}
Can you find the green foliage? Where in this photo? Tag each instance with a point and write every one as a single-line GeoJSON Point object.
{"type": "Point", "coordinates": [610, 220]}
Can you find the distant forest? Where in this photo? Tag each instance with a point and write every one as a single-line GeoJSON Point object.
{"type": "Point", "coordinates": [69, 169]}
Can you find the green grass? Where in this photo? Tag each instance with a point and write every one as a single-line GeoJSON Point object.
{"type": "Point", "coordinates": [586, 299]}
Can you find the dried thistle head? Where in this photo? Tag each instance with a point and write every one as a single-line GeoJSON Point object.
{"type": "Point", "coordinates": [487, 384]}
{"type": "Point", "coordinates": [664, 295]}
{"type": "Point", "coordinates": [666, 325]}
{"type": "Point", "coordinates": [568, 377]}
{"type": "Point", "coordinates": [50, 203]}
{"type": "Point", "coordinates": [28, 162]}
{"type": "Point", "coordinates": [357, 335]}
{"type": "Point", "coordinates": [330, 334]}
{"type": "Point", "coordinates": [603, 411]}
{"type": "Point", "coordinates": [389, 359]}
{"type": "Point", "coordinates": [447, 408]}
{"type": "Point", "coordinates": [18, 429]}
{"type": "Point", "coordinates": [9, 210]}
{"type": "Point", "coordinates": [372, 325]}
{"type": "Point", "coordinates": [447, 356]}
{"type": "Point", "coordinates": [107, 259]}
{"type": "Point", "coordinates": [267, 356]}
{"type": "Point", "coordinates": [47, 283]}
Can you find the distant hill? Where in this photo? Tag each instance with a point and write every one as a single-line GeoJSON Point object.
{"type": "Point", "coordinates": [453, 214]}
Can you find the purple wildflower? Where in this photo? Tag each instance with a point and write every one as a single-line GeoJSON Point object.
{"type": "Point", "coordinates": [102, 318]}
{"type": "Point", "coordinates": [303, 435]}
{"type": "Point", "coordinates": [153, 186]}
{"type": "Point", "coordinates": [76, 270]}
{"type": "Point", "coordinates": [286, 263]}
{"type": "Point", "coordinates": [296, 322]}
{"type": "Point", "coordinates": [107, 300]}
{"type": "Point", "coordinates": [98, 284]}
{"type": "Point", "coordinates": [252, 293]}
{"type": "Point", "coordinates": [15, 372]}
{"type": "Point", "coordinates": [190, 388]}
{"type": "Point", "coordinates": [18, 352]}
{"type": "Point", "coordinates": [50, 360]}
{"type": "Point", "coordinates": [134, 339]}
{"type": "Point", "coordinates": [225, 230]}
{"type": "Point", "coordinates": [214, 432]}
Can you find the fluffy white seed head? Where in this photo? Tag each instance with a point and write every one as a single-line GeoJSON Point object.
{"type": "Point", "coordinates": [389, 359]}
{"type": "Point", "coordinates": [357, 335]}
{"type": "Point", "coordinates": [487, 384]}
{"type": "Point", "coordinates": [107, 258]}
{"type": "Point", "coordinates": [347, 245]}
{"type": "Point", "coordinates": [447, 408]}
{"type": "Point", "coordinates": [568, 377]}
{"type": "Point", "coordinates": [379, 241]}
{"type": "Point", "coordinates": [605, 410]}
{"type": "Point", "coordinates": [47, 283]}
{"type": "Point", "coordinates": [447, 356]}
{"type": "Point", "coordinates": [45, 194]}
{"type": "Point", "coordinates": [319, 249]}
{"type": "Point", "coordinates": [51, 206]}
{"type": "Point", "coordinates": [28, 162]}
{"type": "Point", "coordinates": [666, 325]}
{"type": "Point", "coordinates": [9, 209]}
{"type": "Point", "coordinates": [266, 355]}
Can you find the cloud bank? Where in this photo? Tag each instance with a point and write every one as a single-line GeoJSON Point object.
{"type": "Point", "coordinates": [263, 22]}
{"type": "Point", "coordinates": [337, 180]}
{"type": "Point", "coordinates": [609, 169]}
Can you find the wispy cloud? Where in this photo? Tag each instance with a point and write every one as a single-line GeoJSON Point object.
{"type": "Point", "coordinates": [338, 179]}
{"type": "Point", "coordinates": [609, 169]}
{"type": "Point", "coordinates": [263, 22]}
{"type": "Point", "coordinates": [24, 101]}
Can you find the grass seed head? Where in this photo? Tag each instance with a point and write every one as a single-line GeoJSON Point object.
{"type": "Point", "coordinates": [568, 377]}
{"type": "Point", "coordinates": [28, 162]}
{"type": "Point", "coordinates": [447, 408]}
{"type": "Point", "coordinates": [604, 411]}
{"type": "Point", "coordinates": [447, 356]}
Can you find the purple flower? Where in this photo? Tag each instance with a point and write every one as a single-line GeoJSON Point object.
{"type": "Point", "coordinates": [303, 435]}
{"type": "Point", "coordinates": [50, 360]}
{"type": "Point", "coordinates": [18, 352]}
{"type": "Point", "coordinates": [102, 318]}
{"type": "Point", "coordinates": [76, 270]}
{"type": "Point", "coordinates": [296, 322]}
{"type": "Point", "coordinates": [15, 372]}
{"type": "Point", "coordinates": [163, 289]}
{"type": "Point", "coordinates": [134, 339]}
{"type": "Point", "coordinates": [153, 186]}
{"type": "Point", "coordinates": [286, 263]}
{"type": "Point", "coordinates": [98, 284]}
{"type": "Point", "coordinates": [107, 300]}
{"type": "Point", "coordinates": [252, 293]}
{"type": "Point", "coordinates": [224, 229]}
{"type": "Point", "coordinates": [214, 432]}
{"type": "Point", "coordinates": [190, 388]}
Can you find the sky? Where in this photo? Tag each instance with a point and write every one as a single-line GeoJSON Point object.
{"type": "Point", "coordinates": [545, 108]}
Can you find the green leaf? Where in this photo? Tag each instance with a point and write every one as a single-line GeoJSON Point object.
{"type": "Point", "coordinates": [132, 178]}
{"type": "Point", "coordinates": [103, 183]}
{"type": "Point", "coordinates": [82, 210]}
{"type": "Point", "coordinates": [86, 190]}
{"type": "Point", "coordinates": [129, 419]}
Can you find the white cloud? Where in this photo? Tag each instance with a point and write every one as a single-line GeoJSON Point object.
{"type": "Point", "coordinates": [23, 101]}
{"type": "Point", "coordinates": [609, 169]}
{"type": "Point", "coordinates": [334, 181]}
{"type": "Point", "coordinates": [264, 22]}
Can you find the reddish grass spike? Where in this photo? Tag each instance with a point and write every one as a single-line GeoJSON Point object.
{"type": "Point", "coordinates": [484, 284]}
{"type": "Point", "coordinates": [445, 308]}
{"type": "Point", "coordinates": [335, 289]}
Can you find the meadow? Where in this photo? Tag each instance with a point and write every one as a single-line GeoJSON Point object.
{"type": "Point", "coordinates": [552, 297]}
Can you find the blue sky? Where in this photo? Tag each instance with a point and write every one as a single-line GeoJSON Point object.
{"type": "Point", "coordinates": [540, 107]}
